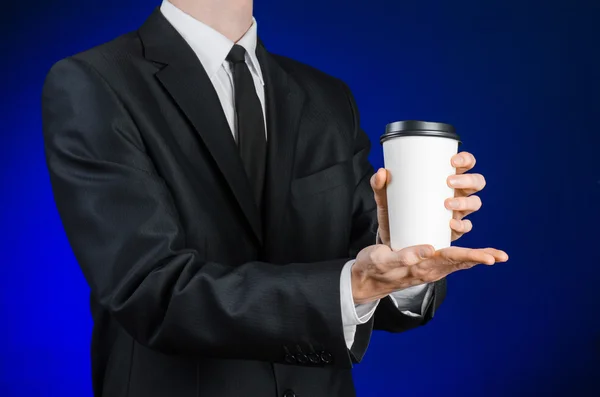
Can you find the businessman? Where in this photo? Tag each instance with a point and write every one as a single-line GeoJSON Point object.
{"type": "Point", "coordinates": [220, 203]}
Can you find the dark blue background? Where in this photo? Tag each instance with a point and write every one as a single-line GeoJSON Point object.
{"type": "Point", "coordinates": [519, 79]}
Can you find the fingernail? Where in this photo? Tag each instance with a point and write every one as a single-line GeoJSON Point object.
{"type": "Point", "coordinates": [453, 204]}
{"type": "Point", "coordinates": [424, 252]}
{"type": "Point", "coordinates": [458, 160]}
{"type": "Point", "coordinates": [453, 181]}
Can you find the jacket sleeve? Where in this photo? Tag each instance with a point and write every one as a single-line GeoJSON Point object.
{"type": "Point", "coordinates": [364, 229]}
{"type": "Point", "coordinates": [127, 237]}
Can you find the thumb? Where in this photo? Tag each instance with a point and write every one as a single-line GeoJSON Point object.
{"type": "Point", "coordinates": [378, 184]}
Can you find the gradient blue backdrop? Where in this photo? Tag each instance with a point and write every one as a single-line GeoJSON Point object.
{"type": "Point", "coordinates": [519, 79]}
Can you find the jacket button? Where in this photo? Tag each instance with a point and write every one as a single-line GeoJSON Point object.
{"type": "Point", "coordinates": [290, 359]}
{"type": "Point", "coordinates": [314, 358]}
{"type": "Point", "coordinates": [326, 357]}
{"type": "Point", "coordinates": [289, 393]}
{"type": "Point", "coordinates": [301, 358]}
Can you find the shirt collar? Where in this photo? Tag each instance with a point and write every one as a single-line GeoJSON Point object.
{"type": "Point", "coordinates": [248, 41]}
{"type": "Point", "coordinates": [210, 46]}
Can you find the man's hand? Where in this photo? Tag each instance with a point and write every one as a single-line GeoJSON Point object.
{"type": "Point", "coordinates": [463, 203]}
{"type": "Point", "coordinates": [378, 270]}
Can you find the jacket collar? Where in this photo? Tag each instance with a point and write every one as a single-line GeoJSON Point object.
{"type": "Point", "coordinates": [184, 78]}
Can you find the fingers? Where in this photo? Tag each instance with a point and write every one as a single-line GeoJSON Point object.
{"type": "Point", "coordinates": [463, 161]}
{"type": "Point", "coordinates": [461, 226]}
{"type": "Point", "coordinates": [467, 183]}
{"type": "Point", "coordinates": [458, 255]}
{"type": "Point", "coordinates": [466, 205]}
{"type": "Point", "coordinates": [410, 256]}
{"type": "Point", "coordinates": [486, 256]}
{"type": "Point", "coordinates": [384, 260]}
{"type": "Point", "coordinates": [499, 255]}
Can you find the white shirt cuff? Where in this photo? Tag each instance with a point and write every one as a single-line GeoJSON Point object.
{"type": "Point", "coordinates": [412, 301]}
{"type": "Point", "coordinates": [352, 315]}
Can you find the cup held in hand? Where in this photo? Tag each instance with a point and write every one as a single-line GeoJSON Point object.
{"type": "Point", "coordinates": [418, 155]}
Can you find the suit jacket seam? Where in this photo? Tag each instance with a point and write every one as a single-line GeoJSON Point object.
{"type": "Point", "coordinates": [121, 104]}
{"type": "Point", "coordinates": [114, 93]}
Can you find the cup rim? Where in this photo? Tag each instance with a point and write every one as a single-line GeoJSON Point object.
{"type": "Point", "coordinates": [419, 128]}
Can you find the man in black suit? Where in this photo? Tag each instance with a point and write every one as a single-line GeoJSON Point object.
{"type": "Point", "coordinates": [222, 208]}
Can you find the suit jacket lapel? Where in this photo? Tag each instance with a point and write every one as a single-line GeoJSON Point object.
{"type": "Point", "coordinates": [187, 82]}
{"type": "Point", "coordinates": [285, 101]}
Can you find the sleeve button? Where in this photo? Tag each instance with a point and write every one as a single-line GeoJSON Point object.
{"type": "Point", "coordinates": [314, 358]}
{"type": "Point", "coordinates": [301, 358]}
{"type": "Point", "coordinates": [326, 357]}
{"type": "Point", "coordinates": [290, 359]}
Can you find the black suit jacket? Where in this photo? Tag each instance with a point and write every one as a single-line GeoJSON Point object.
{"type": "Point", "coordinates": [193, 291]}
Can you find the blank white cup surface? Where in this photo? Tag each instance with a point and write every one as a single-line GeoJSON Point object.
{"type": "Point", "coordinates": [419, 167]}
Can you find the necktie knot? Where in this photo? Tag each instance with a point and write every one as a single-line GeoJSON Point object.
{"type": "Point", "coordinates": [237, 54]}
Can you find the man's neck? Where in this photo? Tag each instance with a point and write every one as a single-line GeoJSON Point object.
{"type": "Point", "coordinates": [231, 18]}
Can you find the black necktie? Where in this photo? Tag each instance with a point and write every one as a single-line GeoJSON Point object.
{"type": "Point", "coordinates": [252, 143]}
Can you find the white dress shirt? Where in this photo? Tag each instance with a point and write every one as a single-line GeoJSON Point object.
{"type": "Point", "coordinates": [211, 48]}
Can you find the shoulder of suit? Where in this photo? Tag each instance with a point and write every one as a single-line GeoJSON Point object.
{"type": "Point", "coordinates": [306, 72]}
{"type": "Point", "coordinates": [122, 50]}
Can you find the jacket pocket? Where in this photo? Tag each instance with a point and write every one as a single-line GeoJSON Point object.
{"type": "Point", "coordinates": [320, 181]}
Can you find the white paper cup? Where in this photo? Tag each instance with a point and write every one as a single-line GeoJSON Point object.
{"type": "Point", "coordinates": [417, 155]}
